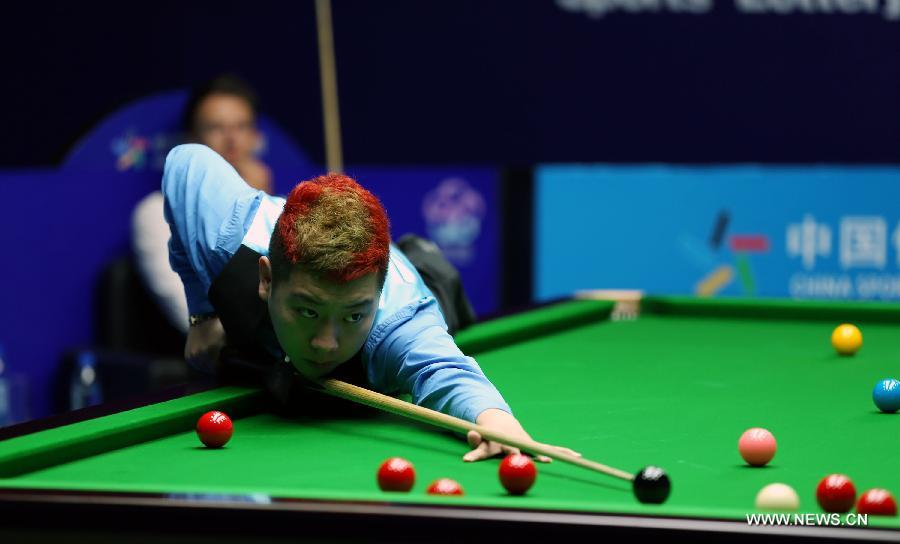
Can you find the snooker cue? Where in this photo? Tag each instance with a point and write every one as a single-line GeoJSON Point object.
{"type": "Point", "coordinates": [328, 77]}
{"type": "Point", "coordinates": [390, 404]}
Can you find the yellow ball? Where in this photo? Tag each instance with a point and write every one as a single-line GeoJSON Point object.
{"type": "Point", "coordinates": [846, 339]}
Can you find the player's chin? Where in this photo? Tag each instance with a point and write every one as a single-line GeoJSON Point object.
{"type": "Point", "coordinates": [312, 371]}
{"type": "Point", "coordinates": [305, 369]}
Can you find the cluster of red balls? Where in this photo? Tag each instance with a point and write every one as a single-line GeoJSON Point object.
{"type": "Point", "coordinates": [517, 474]}
{"type": "Point", "coordinates": [836, 493]}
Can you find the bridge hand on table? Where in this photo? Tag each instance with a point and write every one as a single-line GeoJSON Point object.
{"type": "Point", "coordinates": [503, 422]}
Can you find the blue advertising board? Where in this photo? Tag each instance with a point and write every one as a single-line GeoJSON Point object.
{"type": "Point", "coordinates": [60, 231]}
{"type": "Point", "coordinates": [823, 232]}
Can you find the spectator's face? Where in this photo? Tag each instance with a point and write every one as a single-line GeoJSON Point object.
{"type": "Point", "coordinates": [319, 323]}
{"type": "Point", "coordinates": [226, 124]}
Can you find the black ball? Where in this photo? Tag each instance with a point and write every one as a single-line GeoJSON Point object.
{"type": "Point", "coordinates": [651, 485]}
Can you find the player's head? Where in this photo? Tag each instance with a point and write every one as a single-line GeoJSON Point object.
{"type": "Point", "coordinates": [327, 264]}
{"type": "Point", "coordinates": [221, 114]}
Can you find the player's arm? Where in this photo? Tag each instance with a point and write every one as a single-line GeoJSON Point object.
{"type": "Point", "coordinates": [206, 204]}
{"type": "Point", "coordinates": [420, 358]}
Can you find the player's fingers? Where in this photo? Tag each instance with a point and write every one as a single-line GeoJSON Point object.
{"type": "Point", "coordinates": [545, 459]}
{"type": "Point", "coordinates": [482, 451]}
{"type": "Point", "coordinates": [495, 448]}
{"type": "Point", "coordinates": [473, 438]}
{"type": "Point", "coordinates": [509, 450]}
{"type": "Point", "coordinates": [565, 450]}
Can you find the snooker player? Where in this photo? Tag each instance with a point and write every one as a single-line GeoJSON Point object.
{"type": "Point", "coordinates": [312, 285]}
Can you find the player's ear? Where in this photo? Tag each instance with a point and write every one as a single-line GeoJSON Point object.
{"type": "Point", "coordinates": [265, 278]}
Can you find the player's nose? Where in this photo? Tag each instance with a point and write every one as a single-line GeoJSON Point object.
{"type": "Point", "coordinates": [325, 339]}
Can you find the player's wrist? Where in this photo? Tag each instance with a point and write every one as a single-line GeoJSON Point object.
{"type": "Point", "coordinates": [196, 319]}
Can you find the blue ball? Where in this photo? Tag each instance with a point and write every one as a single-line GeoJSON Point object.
{"type": "Point", "coordinates": [887, 395]}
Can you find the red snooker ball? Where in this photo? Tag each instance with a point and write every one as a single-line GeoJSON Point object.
{"type": "Point", "coordinates": [517, 473]}
{"type": "Point", "coordinates": [877, 502]}
{"type": "Point", "coordinates": [396, 474]}
{"type": "Point", "coordinates": [836, 493]}
{"type": "Point", "coordinates": [214, 429]}
{"type": "Point", "coordinates": [445, 486]}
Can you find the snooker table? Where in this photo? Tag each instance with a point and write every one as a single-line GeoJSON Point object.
{"type": "Point", "coordinates": [674, 387]}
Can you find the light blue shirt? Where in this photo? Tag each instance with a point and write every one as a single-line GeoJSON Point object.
{"type": "Point", "coordinates": [212, 212]}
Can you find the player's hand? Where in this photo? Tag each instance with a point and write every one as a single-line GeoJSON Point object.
{"type": "Point", "coordinates": [504, 422]}
{"type": "Point", "coordinates": [204, 342]}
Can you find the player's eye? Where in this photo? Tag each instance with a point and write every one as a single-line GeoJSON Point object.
{"type": "Point", "coordinates": [353, 318]}
{"type": "Point", "coordinates": [307, 313]}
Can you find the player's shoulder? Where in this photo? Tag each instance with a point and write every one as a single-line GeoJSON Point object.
{"type": "Point", "coordinates": [404, 325]}
{"type": "Point", "coordinates": [400, 268]}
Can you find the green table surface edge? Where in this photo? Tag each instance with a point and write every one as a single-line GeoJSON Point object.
{"type": "Point", "coordinates": [770, 308]}
{"type": "Point", "coordinates": [540, 322]}
{"type": "Point", "coordinates": [28, 453]}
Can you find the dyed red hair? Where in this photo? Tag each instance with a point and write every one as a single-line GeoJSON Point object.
{"type": "Point", "coordinates": [334, 227]}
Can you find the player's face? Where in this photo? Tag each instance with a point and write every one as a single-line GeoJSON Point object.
{"type": "Point", "coordinates": [319, 323]}
{"type": "Point", "coordinates": [226, 124]}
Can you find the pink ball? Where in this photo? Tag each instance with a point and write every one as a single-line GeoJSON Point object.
{"type": "Point", "coordinates": [757, 446]}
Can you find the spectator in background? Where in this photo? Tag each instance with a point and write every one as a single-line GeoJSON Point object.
{"type": "Point", "coordinates": [220, 114]}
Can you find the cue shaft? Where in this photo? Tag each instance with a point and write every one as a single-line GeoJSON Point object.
{"type": "Point", "coordinates": [387, 403]}
{"type": "Point", "coordinates": [328, 76]}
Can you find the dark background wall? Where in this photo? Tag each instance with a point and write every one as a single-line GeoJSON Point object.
{"type": "Point", "coordinates": [468, 81]}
